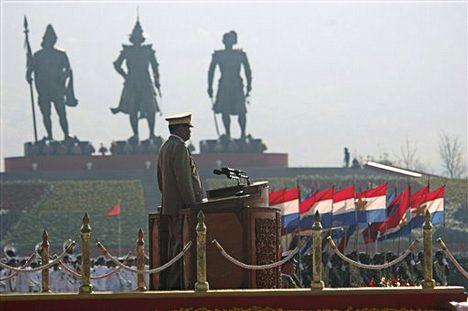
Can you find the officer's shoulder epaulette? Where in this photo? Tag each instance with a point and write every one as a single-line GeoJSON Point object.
{"type": "Point", "coordinates": [60, 50]}
{"type": "Point", "coordinates": [179, 144]}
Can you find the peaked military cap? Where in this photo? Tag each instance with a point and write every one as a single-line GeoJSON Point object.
{"type": "Point", "coordinates": [181, 118]}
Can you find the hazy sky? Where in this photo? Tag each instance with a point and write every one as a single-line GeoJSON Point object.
{"type": "Point", "coordinates": [325, 74]}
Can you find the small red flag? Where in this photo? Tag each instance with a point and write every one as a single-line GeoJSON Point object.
{"type": "Point", "coordinates": [115, 210]}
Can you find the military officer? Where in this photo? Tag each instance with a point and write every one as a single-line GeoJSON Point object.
{"type": "Point", "coordinates": [180, 186]}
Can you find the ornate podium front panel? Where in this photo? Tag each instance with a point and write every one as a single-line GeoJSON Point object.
{"type": "Point", "coordinates": [266, 244]}
{"type": "Point", "coordinates": [244, 226]}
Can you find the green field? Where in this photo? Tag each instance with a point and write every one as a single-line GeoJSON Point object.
{"type": "Point", "coordinates": [61, 211]}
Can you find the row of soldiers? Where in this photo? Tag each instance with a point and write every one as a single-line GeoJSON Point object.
{"type": "Point", "coordinates": [338, 273]}
{"type": "Point", "coordinates": [61, 280]}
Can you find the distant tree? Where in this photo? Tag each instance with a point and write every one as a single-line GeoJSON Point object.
{"type": "Point", "coordinates": [408, 157]}
{"type": "Point", "coordinates": [450, 151]}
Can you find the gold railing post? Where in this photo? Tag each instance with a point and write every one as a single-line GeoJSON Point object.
{"type": "Point", "coordinates": [317, 282]}
{"type": "Point", "coordinates": [140, 250]}
{"type": "Point", "coordinates": [201, 285]}
{"type": "Point", "coordinates": [86, 286]}
{"type": "Point", "coordinates": [428, 282]}
{"type": "Point", "coordinates": [45, 260]}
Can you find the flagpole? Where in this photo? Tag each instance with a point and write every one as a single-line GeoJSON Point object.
{"type": "Point", "coordinates": [299, 224]}
{"type": "Point", "coordinates": [444, 208]}
{"type": "Point", "coordinates": [120, 240]}
{"type": "Point", "coordinates": [28, 62]}
{"type": "Point", "coordinates": [368, 238]}
{"type": "Point", "coordinates": [410, 239]}
{"type": "Point", "coordinates": [356, 248]}
{"type": "Point", "coordinates": [345, 237]}
{"type": "Point", "coordinates": [375, 245]}
{"type": "Point", "coordinates": [386, 228]}
{"type": "Point", "coordinates": [399, 240]}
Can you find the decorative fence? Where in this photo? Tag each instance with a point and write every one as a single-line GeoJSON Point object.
{"type": "Point", "coordinates": [202, 282]}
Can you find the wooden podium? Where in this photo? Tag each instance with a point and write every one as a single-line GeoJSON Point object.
{"type": "Point", "coordinates": [240, 219]}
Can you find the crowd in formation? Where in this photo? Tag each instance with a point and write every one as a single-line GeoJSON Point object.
{"type": "Point", "coordinates": [61, 280]}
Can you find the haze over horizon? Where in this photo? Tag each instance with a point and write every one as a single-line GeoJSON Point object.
{"type": "Point", "coordinates": [326, 75]}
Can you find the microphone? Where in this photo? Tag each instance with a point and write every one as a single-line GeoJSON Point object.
{"type": "Point", "coordinates": [228, 172]}
{"type": "Point", "coordinates": [232, 173]}
{"type": "Point", "coordinates": [217, 172]}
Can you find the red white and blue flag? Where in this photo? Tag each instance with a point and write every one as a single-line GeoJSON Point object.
{"type": "Point", "coordinates": [322, 202]}
{"type": "Point", "coordinates": [400, 206]}
{"type": "Point", "coordinates": [435, 205]}
{"type": "Point", "coordinates": [432, 202]}
{"type": "Point", "coordinates": [371, 204]}
{"type": "Point", "coordinates": [344, 210]}
{"type": "Point", "coordinates": [288, 201]}
{"type": "Point", "coordinates": [410, 219]}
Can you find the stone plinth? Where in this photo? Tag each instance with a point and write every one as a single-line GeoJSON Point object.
{"type": "Point", "coordinates": [208, 161]}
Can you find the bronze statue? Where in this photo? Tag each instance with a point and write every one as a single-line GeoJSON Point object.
{"type": "Point", "coordinates": [230, 98]}
{"type": "Point", "coordinates": [138, 98]}
{"type": "Point", "coordinates": [53, 80]}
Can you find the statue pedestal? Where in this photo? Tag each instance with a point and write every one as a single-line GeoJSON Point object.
{"type": "Point", "coordinates": [122, 162]}
{"type": "Point", "coordinates": [58, 148]}
{"type": "Point", "coordinates": [241, 160]}
{"type": "Point", "coordinates": [149, 146]}
{"type": "Point", "coordinates": [81, 163]}
{"type": "Point", "coordinates": [238, 153]}
{"type": "Point", "coordinates": [75, 155]}
{"type": "Point", "coordinates": [226, 145]}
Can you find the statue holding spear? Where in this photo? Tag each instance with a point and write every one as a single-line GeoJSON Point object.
{"type": "Point", "coordinates": [53, 79]}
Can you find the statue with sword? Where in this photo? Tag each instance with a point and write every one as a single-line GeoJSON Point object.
{"type": "Point", "coordinates": [230, 97]}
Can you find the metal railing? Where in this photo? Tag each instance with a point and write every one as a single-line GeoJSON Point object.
{"type": "Point", "coordinates": [202, 282]}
